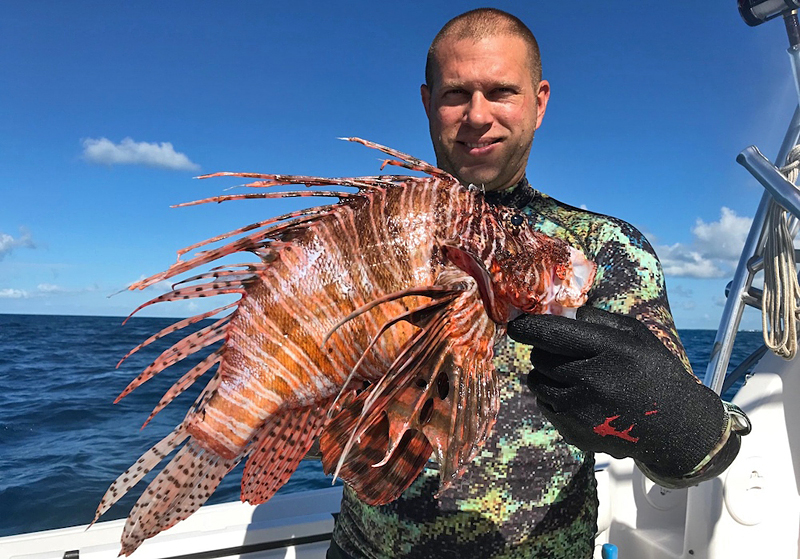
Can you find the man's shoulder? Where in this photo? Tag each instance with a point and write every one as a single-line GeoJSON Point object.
{"type": "Point", "coordinates": [592, 229]}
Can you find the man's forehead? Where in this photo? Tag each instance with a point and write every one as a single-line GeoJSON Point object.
{"type": "Point", "coordinates": [504, 43]}
{"type": "Point", "coordinates": [498, 60]}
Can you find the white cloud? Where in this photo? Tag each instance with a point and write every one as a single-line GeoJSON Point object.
{"type": "Point", "coordinates": [680, 261]}
{"type": "Point", "coordinates": [725, 238]}
{"type": "Point", "coordinates": [714, 250]}
{"type": "Point", "coordinates": [42, 290]}
{"type": "Point", "coordinates": [9, 243]}
{"type": "Point", "coordinates": [9, 293]}
{"type": "Point", "coordinates": [128, 152]}
{"type": "Point", "coordinates": [49, 288]}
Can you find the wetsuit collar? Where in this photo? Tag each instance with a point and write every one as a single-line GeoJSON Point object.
{"type": "Point", "coordinates": [517, 196]}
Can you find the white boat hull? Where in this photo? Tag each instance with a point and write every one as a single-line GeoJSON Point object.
{"type": "Point", "coordinates": [751, 511]}
{"type": "Point", "coordinates": [294, 526]}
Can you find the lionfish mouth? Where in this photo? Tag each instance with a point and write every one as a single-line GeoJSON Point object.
{"type": "Point", "coordinates": [499, 311]}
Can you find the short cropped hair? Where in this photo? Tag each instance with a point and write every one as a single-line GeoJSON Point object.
{"type": "Point", "coordinates": [479, 24]}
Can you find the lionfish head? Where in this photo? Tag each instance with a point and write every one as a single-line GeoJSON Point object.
{"type": "Point", "coordinates": [519, 270]}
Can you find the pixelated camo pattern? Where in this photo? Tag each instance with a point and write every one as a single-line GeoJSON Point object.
{"type": "Point", "coordinates": [529, 494]}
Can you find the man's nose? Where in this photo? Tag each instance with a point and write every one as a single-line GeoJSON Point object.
{"type": "Point", "coordinates": [478, 111]}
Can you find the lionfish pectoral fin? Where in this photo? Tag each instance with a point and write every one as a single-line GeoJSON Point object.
{"type": "Point", "coordinates": [418, 316]}
{"type": "Point", "coordinates": [376, 477]}
{"type": "Point", "coordinates": [467, 405]}
{"type": "Point", "coordinates": [282, 443]}
{"type": "Point", "coordinates": [379, 436]}
{"type": "Point", "coordinates": [456, 399]}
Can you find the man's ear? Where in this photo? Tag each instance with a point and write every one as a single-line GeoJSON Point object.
{"type": "Point", "coordinates": [542, 97]}
{"type": "Point", "coordinates": [425, 93]}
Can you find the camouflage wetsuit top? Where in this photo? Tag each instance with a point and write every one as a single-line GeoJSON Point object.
{"type": "Point", "coordinates": [528, 493]}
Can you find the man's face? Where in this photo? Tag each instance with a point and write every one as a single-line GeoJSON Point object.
{"type": "Point", "coordinates": [483, 109]}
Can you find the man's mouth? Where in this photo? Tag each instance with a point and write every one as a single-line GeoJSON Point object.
{"type": "Point", "coordinates": [479, 147]}
{"type": "Point", "coordinates": [480, 144]}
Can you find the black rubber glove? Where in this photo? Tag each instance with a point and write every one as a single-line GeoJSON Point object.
{"type": "Point", "coordinates": [609, 385]}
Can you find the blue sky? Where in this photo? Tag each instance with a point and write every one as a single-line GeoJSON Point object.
{"type": "Point", "coordinates": [108, 109]}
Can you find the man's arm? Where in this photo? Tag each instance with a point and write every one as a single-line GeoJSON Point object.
{"type": "Point", "coordinates": [620, 382]}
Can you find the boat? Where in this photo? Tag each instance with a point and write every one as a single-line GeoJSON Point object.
{"type": "Point", "coordinates": [288, 526]}
{"type": "Point", "coordinates": [751, 510]}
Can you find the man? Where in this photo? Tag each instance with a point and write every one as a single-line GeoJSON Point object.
{"type": "Point", "coordinates": [616, 382]}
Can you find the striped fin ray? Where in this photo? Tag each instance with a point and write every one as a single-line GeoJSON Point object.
{"type": "Point", "coordinates": [406, 160]}
{"type": "Point", "coordinates": [270, 195]}
{"type": "Point", "coordinates": [196, 291]}
{"type": "Point", "coordinates": [283, 442]}
{"type": "Point", "coordinates": [173, 328]}
{"type": "Point", "coordinates": [185, 382]}
{"type": "Point", "coordinates": [267, 180]}
{"type": "Point", "coordinates": [184, 348]}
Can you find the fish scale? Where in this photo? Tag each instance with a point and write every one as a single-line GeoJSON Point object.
{"type": "Point", "coordinates": [369, 324]}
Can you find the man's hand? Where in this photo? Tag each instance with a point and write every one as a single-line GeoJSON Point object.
{"type": "Point", "coordinates": [609, 385]}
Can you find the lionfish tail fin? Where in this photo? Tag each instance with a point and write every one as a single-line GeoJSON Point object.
{"type": "Point", "coordinates": [184, 484]}
{"type": "Point", "coordinates": [139, 469]}
{"type": "Point", "coordinates": [281, 444]}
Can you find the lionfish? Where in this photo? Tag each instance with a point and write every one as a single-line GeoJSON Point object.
{"type": "Point", "coordinates": [367, 324]}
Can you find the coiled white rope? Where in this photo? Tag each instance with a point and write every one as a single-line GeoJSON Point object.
{"type": "Point", "coordinates": [781, 301]}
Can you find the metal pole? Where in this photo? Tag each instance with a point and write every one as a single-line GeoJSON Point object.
{"type": "Point", "coordinates": [743, 277]}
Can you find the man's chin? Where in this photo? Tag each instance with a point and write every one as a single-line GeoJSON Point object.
{"type": "Point", "coordinates": [489, 181]}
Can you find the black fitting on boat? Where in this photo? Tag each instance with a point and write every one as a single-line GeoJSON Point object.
{"type": "Point", "coordinates": [792, 28]}
{"type": "Point", "coordinates": [756, 12]}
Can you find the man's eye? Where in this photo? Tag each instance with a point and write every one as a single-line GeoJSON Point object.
{"type": "Point", "coordinates": [501, 92]}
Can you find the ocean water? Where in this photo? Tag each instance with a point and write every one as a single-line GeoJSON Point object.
{"type": "Point", "coordinates": [63, 441]}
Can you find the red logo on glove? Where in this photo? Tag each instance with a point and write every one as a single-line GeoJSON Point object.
{"type": "Point", "coordinates": [605, 429]}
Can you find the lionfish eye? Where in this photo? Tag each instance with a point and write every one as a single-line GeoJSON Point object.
{"type": "Point", "coordinates": [517, 220]}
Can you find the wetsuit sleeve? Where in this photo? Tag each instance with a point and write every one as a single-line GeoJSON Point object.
{"type": "Point", "coordinates": [631, 282]}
